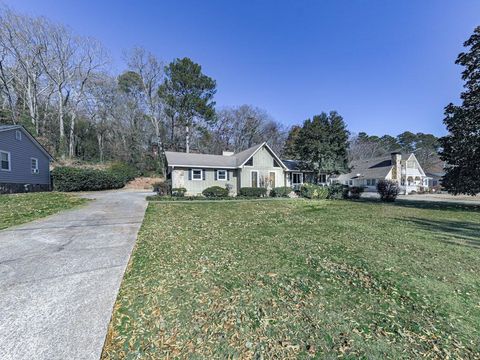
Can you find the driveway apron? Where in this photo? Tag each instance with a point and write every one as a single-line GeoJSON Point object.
{"type": "Point", "coordinates": [59, 277]}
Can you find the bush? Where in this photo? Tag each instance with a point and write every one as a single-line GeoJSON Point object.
{"type": "Point", "coordinates": [337, 191]}
{"type": "Point", "coordinates": [162, 188]}
{"type": "Point", "coordinates": [215, 192]}
{"type": "Point", "coordinates": [388, 190]}
{"type": "Point", "coordinates": [76, 179]}
{"type": "Point", "coordinates": [123, 172]}
{"type": "Point", "coordinates": [356, 192]}
{"type": "Point", "coordinates": [312, 191]}
{"type": "Point", "coordinates": [253, 192]}
{"type": "Point", "coordinates": [283, 191]}
{"type": "Point", "coordinates": [179, 192]}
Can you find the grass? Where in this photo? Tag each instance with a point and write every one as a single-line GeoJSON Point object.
{"type": "Point", "coordinates": [301, 279]}
{"type": "Point", "coordinates": [17, 209]}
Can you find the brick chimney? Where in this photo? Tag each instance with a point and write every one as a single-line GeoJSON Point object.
{"type": "Point", "coordinates": [397, 167]}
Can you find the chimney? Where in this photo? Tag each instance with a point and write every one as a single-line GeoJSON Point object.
{"type": "Point", "coordinates": [397, 167]}
{"type": "Point", "coordinates": [227, 153]}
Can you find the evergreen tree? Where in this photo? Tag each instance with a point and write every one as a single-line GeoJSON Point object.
{"type": "Point", "coordinates": [322, 144]}
{"type": "Point", "coordinates": [188, 95]}
{"type": "Point", "coordinates": [289, 150]}
{"type": "Point", "coordinates": [461, 147]}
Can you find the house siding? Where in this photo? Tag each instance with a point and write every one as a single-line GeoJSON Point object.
{"type": "Point", "coordinates": [180, 178]}
{"type": "Point", "coordinates": [263, 164]}
{"type": "Point", "coordinates": [21, 152]}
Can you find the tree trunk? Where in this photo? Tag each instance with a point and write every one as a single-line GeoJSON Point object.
{"type": "Point", "coordinates": [187, 139]}
{"type": "Point", "coordinates": [100, 146]}
{"type": "Point", "coordinates": [60, 123]}
{"type": "Point", "coordinates": [71, 145]}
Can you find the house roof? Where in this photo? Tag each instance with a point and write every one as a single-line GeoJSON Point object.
{"type": "Point", "coordinates": [215, 161]}
{"type": "Point", "coordinates": [26, 132]}
{"type": "Point", "coordinates": [294, 165]}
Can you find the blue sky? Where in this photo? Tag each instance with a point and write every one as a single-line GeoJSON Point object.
{"type": "Point", "coordinates": [386, 66]}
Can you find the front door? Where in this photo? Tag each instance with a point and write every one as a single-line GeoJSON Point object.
{"type": "Point", "coordinates": [254, 175]}
{"type": "Point", "coordinates": [272, 179]}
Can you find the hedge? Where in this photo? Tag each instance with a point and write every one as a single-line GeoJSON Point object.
{"type": "Point", "coordinates": [337, 191]}
{"type": "Point", "coordinates": [253, 192]}
{"type": "Point", "coordinates": [312, 191]}
{"type": "Point", "coordinates": [356, 192]}
{"type": "Point", "coordinates": [77, 179]}
{"type": "Point", "coordinates": [283, 191]}
{"type": "Point", "coordinates": [215, 192]}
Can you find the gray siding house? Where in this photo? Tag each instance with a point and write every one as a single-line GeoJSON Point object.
{"type": "Point", "coordinates": [257, 166]}
{"type": "Point", "coordinates": [24, 163]}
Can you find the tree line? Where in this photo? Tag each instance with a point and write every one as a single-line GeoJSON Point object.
{"type": "Point", "coordinates": [60, 87]}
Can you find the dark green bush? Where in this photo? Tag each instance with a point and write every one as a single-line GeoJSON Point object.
{"type": "Point", "coordinates": [76, 179]}
{"type": "Point", "coordinates": [253, 192]}
{"type": "Point", "coordinates": [312, 191]}
{"type": "Point", "coordinates": [123, 172]}
{"type": "Point", "coordinates": [388, 190]}
{"type": "Point", "coordinates": [283, 191]}
{"type": "Point", "coordinates": [356, 191]}
{"type": "Point", "coordinates": [162, 188]}
{"type": "Point", "coordinates": [215, 192]}
{"type": "Point", "coordinates": [337, 191]}
{"type": "Point", "coordinates": [179, 192]}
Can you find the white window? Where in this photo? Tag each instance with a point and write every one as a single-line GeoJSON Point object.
{"type": "Point", "coordinates": [197, 174]}
{"type": "Point", "coordinates": [5, 162]}
{"type": "Point", "coordinates": [297, 178]}
{"type": "Point", "coordinates": [34, 165]}
{"type": "Point", "coordinates": [222, 175]}
{"type": "Point", "coordinates": [18, 135]}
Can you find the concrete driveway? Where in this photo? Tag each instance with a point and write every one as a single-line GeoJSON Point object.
{"type": "Point", "coordinates": [59, 277]}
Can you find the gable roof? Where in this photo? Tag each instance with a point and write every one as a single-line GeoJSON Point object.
{"type": "Point", "coordinates": [375, 168]}
{"type": "Point", "coordinates": [216, 161]}
{"type": "Point", "coordinates": [30, 136]}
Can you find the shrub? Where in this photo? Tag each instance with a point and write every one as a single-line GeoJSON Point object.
{"type": "Point", "coordinates": [356, 192]}
{"type": "Point", "coordinates": [337, 191]}
{"type": "Point", "coordinates": [162, 188]}
{"type": "Point", "coordinates": [312, 191]}
{"type": "Point", "coordinates": [283, 191]}
{"type": "Point", "coordinates": [123, 172]}
{"type": "Point", "coordinates": [179, 192]}
{"type": "Point", "coordinates": [215, 192]}
{"type": "Point", "coordinates": [388, 190]}
{"type": "Point", "coordinates": [253, 192]}
{"type": "Point", "coordinates": [76, 179]}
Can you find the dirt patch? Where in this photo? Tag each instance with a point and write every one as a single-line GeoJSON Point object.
{"type": "Point", "coordinates": [143, 183]}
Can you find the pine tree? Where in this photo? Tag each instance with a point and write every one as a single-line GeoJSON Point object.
{"type": "Point", "coordinates": [322, 144]}
{"type": "Point", "coordinates": [461, 147]}
{"type": "Point", "coordinates": [289, 150]}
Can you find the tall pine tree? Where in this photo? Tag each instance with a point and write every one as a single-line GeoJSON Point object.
{"type": "Point", "coordinates": [461, 147]}
{"type": "Point", "coordinates": [322, 144]}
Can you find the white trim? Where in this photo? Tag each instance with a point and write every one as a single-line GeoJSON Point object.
{"type": "Point", "coordinates": [35, 170]}
{"type": "Point", "coordinates": [218, 175]}
{"type": "Point", "coordinates": [203, 166]}
{"type": "Point", "coordinates": [301, 176]}
{"type": "Point", "coordinates": [201, 174]}
{"type": "Point", "coordinates": [18, 135]}
{"type": "Point", "coordinates": [9, 157]}
{"type": "Point", "coordinates": [270, 149]}
{"type": "Point", "coordinates": [258, 180]}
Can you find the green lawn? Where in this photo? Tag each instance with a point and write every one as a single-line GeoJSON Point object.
{"type": "Point", "coordinates": [301, 279]}
{"type": "Point", "coordinates": [17, 209]}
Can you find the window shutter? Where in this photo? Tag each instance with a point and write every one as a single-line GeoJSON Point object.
{"type": "Point", "coordinates": [189, 174]}
{"type": "Point", "coordinates": [203, 173]}
{"type": "Point", "coordinates": [215, 172]}
{"type": "Point", "coordinates": [228, 175]}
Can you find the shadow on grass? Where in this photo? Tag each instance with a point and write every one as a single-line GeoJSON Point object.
{"type": "Point", "coordinates": [463, 233]}
{"type": "Point", "coordinates": [424, 204]}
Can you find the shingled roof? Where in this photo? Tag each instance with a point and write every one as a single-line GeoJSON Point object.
{"type": "Point", "coordinates": [234, 161]}
{"type": "Point", "coordinates": [376, 168]}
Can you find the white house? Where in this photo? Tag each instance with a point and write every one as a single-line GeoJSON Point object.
{"type": "Point", "coordinates": [402, 168]}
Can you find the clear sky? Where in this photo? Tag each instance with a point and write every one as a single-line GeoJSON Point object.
{"type": "Point", "coordinates": [386, 66]}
